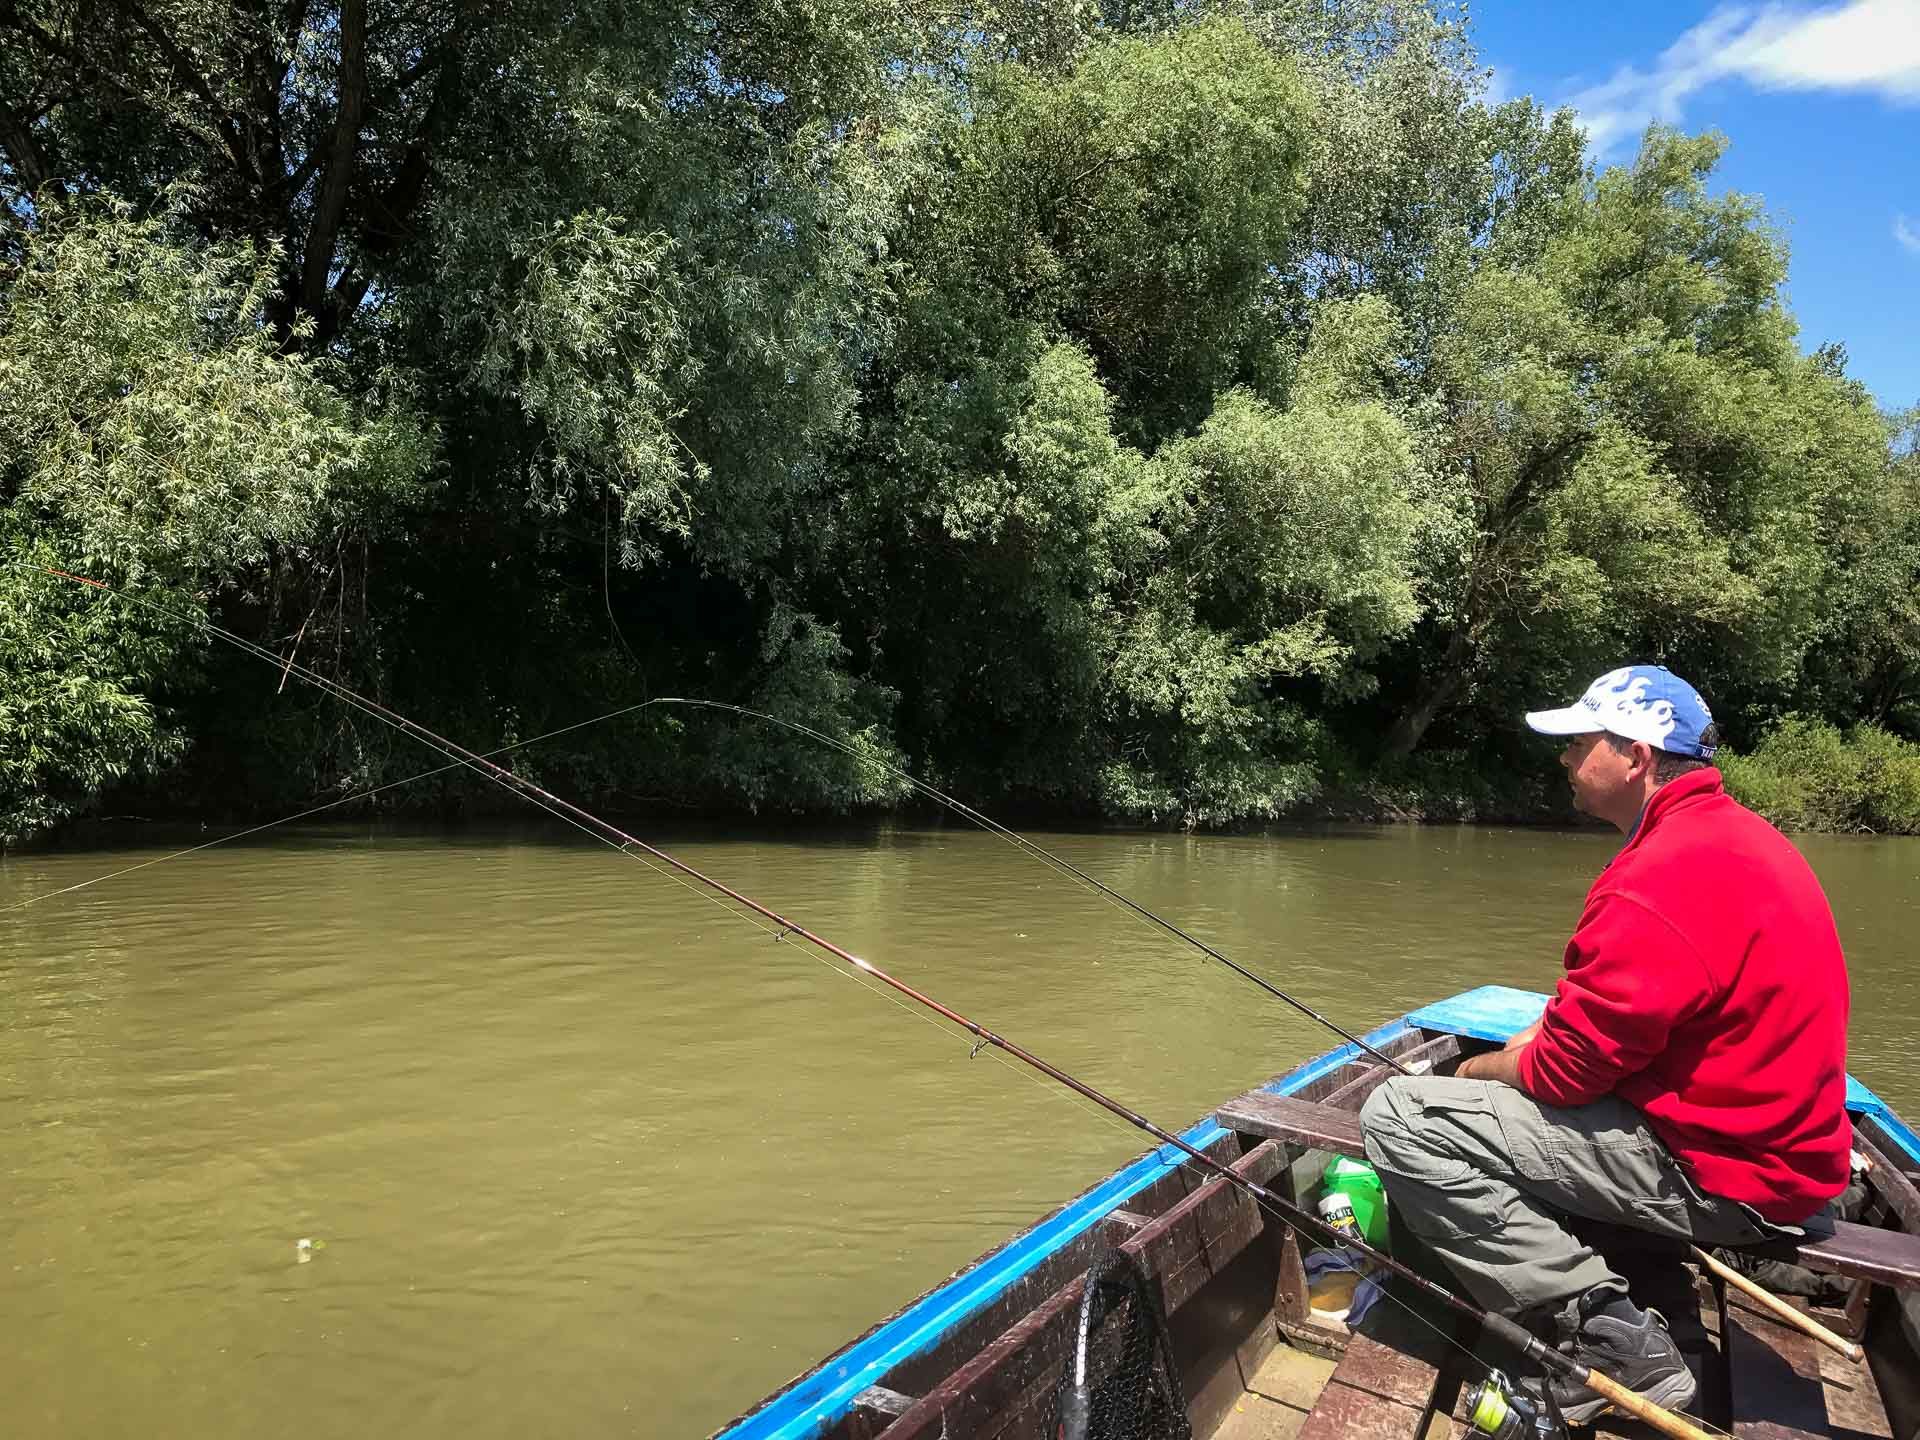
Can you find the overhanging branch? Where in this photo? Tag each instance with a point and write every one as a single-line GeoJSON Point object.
{"type": "Point", "coordinates": [29, 161]}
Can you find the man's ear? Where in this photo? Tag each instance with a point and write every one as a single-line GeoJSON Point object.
{"type": "Point", "coordinates": [1642, 759]}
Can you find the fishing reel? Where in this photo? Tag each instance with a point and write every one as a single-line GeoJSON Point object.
{"type": "Point", "coordinates": [1495, 1408]}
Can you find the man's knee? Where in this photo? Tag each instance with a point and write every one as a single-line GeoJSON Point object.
{"type": "Point", "coordinates": [1390, 1121]}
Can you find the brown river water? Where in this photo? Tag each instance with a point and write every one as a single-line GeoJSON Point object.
{"type": "Point", "coordinates": [580, 1153]}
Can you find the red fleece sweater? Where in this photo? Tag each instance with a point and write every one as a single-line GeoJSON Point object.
{"type": "Point", "coordinates": [1705, 986]}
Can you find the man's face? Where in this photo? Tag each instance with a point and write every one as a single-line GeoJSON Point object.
{"type": "Point", "coordinates": [1598, 773]}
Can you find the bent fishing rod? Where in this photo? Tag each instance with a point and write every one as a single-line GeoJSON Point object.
{"type": "Point", "coordinates": [1529, 1346]}
{"type": "Point", "coordinates": [1040, 852]}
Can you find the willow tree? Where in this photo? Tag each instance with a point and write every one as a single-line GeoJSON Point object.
{"type": "Point", "coordinates": [1652, 465]}
{"type": "Point", "coordinates": [1282, 564]}
{"type": "Point", "coordinates": [154, 435]}
{"type": "Point", "coordinates": [607, 259]}
{"type": "Point", "coordinates": [1080, 256]}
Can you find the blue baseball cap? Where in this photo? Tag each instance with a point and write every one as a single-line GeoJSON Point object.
{"type": "Point", "coordinates": [1636, 702]}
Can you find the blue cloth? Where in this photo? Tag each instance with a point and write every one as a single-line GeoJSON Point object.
{"type": "Point", "coordinates": [1327, 1262]}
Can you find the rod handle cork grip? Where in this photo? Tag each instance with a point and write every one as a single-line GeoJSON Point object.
{"type": "Point", "coordinates": [1531, 1346]}
{"type": "Point", "coordinates": [1774, 1305]}
{"type": "Point", "coordinates": [1663, 1420]}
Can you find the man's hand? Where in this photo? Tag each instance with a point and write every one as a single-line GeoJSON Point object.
{"type": "Point", "coordinates": [1503, 1064]}
{"type": "Point", "coordinates": [1520, 1039]}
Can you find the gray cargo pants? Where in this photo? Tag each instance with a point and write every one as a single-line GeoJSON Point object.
{"type": "Point", "coordinates": [1484, 1174]}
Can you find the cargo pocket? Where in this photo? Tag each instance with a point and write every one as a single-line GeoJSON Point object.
{"type": "Point", "coordinates": [1532, 1143]}
{"type": "Point", "coordinates": [1498, 1129]}
{"type": "Point", "coordinates": [1458, 1208]}
{"type": "Point", "coordinates": [1428, 1128]}
{"type": "Point", "coordinates": [1600, 1161]}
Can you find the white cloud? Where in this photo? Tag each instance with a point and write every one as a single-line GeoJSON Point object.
{"type": "Point", "coordinates": [1907, 233]}
{"type": "Point", "coordinates": [1864, 46]}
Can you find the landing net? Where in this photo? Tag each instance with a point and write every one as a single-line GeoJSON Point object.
{"type": "Point", "coordinates": [1121, 1381]}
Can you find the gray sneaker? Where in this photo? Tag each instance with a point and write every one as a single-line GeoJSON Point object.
{"type": "Point", "coordinates": [1627, 1344]}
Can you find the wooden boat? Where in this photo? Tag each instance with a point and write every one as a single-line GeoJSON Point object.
{"type": "Point", "coordinates": [982, 1354]}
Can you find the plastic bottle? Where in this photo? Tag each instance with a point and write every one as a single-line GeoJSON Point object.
{"type": "Point", "coordinates": [1360, 1184]}
{"type": "Point", "coordinates": [1336, 1208]}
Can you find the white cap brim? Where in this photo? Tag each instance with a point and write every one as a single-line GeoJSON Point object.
{"type": "Point", "coordinates": [1572, 720]}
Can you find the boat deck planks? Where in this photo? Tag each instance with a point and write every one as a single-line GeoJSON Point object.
{"type": "Point", "coordinates": [1786, 1385]}
{"type": "Point", "coordinates": [1279, 1397]}
{"type": "Point", "coordinates": [1854, 1407]}
{"type": "Point", "coordinates": [1777, 1389]}
{"type": "Point", "coordinates": [1378, 1392]}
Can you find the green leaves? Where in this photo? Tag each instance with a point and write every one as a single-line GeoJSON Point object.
{"type": "Point", "coordinates": [153, 436]}
{"type": "Point", "coordinates": [149, 415]}
{"type": "Point", "coordinates": [78, 682]}
{"type": "Point", "coordinates": [583, 333]}
{"type": "Point", "coordinates": [1135, 205]}
{"type": "Point", "coordinates": [1808, 775]}
{"type": "Point", "coordinates": [1287, 557]}
{"type": "Point", "coordinates": [1637, 434]}
{"type": "Point", "coordinates": [1150, 409]}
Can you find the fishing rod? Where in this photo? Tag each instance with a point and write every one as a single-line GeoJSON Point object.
{"type": "Point", "coordinates": [1529, 1346]}
{"type": "Point", "coordinates": [1040, 852]}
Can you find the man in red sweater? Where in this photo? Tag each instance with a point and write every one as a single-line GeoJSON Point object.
{"type": "Point", "coordinates": [1688, 1077]}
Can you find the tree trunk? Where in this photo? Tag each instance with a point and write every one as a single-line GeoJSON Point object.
{"type": "Point", "coordinates": [1437, 691]}
{"type": "Point", "coordinates": [29, 161]}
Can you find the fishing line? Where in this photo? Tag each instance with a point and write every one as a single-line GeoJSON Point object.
{"type": "Point", "coordinates": [671, 868]}
{"type": "Point", "coordinates": [1529, 1346]}
{"type": "Point", "coordinates": [460, 758]}
{"type": "Point", "coordinates": [319, 809]}
{"type": "Point", "coordinates": [1039, 852]}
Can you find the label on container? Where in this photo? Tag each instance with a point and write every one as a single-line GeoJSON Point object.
{"type": "Point", "coordinates": [1337, 1210]}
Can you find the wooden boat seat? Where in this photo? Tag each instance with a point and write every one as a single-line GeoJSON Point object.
{"type": "Point", "coordinates": [1861, 1252]}
{"type": "Point", "coordinates": [1377, 1390]}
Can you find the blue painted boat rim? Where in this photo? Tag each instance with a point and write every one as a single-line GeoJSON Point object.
{"type": "Point", "coordinates": [820, 1399]}
{"type": "Point", "coordinates": [1495, 1012]}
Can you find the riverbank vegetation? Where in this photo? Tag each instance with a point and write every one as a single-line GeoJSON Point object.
{"type": "Point", "coordinates": [1807, 775]}
{"type": "Point", "coordinates": [1190, 415]}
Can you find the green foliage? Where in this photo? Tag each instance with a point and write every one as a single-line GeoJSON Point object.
{"type": "Point", "coordinates": [154, 438]}
{"type": "Point", "coordinates": [589, 345]}
{"type": "Point", "coordinates": [1653, 467]}
{"type": "Point", "coordinates": [148, 415]}
{"type": "Point", "coordinates": [1134, 204]}
{"type": "Point", "coordinates": [78, 679]}
{"type": "Point", "coordinates": [806, 683]}
{"type": "Point", "coordinates": [1808, 775]}
{"type": "Point", "coordinates": [1284, 557]}
{"type": "Point", "coordinates": [1181, 413]}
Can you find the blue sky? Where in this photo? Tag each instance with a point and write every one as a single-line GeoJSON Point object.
{"type": "Point", "coordinates": [1822, 106]}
